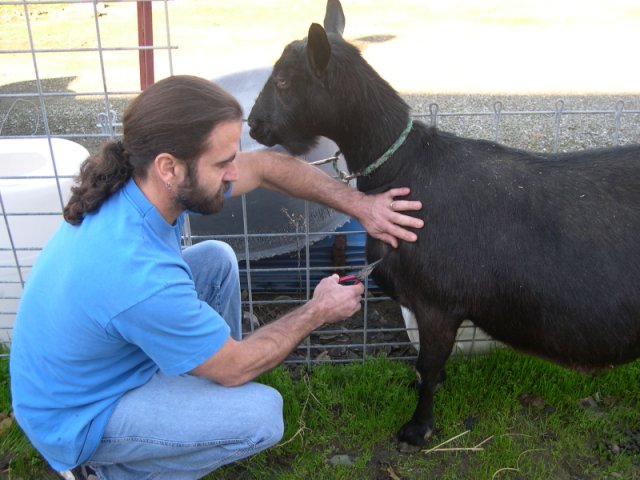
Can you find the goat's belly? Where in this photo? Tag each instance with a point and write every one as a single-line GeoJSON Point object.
{"type": "Point", "coordinates": [584, 343]}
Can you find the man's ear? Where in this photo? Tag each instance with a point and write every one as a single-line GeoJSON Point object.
{"type": "Point", "coordinates": [169, 169]}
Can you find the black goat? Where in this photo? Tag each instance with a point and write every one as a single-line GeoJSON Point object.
{"type": "Point", "coordinates": [541, 251]}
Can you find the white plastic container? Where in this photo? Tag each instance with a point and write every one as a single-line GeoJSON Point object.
{"type": "Point", "coordinates": [469, 339]}
{"type": "Point", "coordinates": [36, 175]}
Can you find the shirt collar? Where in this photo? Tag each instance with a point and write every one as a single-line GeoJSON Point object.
{"type": "Point", "coordinates": [149, 212]}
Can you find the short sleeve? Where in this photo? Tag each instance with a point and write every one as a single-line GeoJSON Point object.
{"type": "Point", "coordinates": [174, 329]}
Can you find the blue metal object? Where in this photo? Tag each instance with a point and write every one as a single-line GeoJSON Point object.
{"type": "Point", "coordinates": [342, 253]}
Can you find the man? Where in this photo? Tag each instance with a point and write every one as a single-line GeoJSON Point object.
{"type": "Point", "coordinates": [127, 360]}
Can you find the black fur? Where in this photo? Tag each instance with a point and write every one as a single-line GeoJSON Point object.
{"type": "Point", "coordinates": [541, 251]}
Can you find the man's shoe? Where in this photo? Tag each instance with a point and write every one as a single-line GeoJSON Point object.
{"type": "Point", "coordinates": [81, 472]}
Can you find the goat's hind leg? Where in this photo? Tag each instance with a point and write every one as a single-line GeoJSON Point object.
{"type": "Point", "coordinates": [437, 334]}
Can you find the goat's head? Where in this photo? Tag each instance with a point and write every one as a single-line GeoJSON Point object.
{"type": "Point", "coordinates": [297, 103]}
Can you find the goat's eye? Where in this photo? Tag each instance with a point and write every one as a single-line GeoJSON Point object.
{"type": "Point", "coordinates": [282, 83]}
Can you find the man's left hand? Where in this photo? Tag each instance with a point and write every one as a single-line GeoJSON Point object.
{"type": "Point", "coordinates": [383, 218]}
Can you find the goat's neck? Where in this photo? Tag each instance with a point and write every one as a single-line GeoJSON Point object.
{"type": "Point", "coordinates": [370, 130]}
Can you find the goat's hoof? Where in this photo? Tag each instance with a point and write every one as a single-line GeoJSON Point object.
{"type": "Point", "coordinates": [411, 437]}
{"type": "Point", "coordinates": [404, 447]}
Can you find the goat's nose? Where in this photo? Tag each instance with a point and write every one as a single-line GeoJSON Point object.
{"type": "Point", "coordinates": [252, 130]}
{"type": "Point", "coordinates": [255, 127]}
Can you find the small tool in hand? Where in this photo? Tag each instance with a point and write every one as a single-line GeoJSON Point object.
{"type": "Point", "coordinates": [361, 275]}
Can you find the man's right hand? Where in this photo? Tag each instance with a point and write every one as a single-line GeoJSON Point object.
{"type": "Point", "coordinates": [336, 301]}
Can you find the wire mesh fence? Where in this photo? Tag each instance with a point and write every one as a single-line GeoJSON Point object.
{"type": "Point", "coordinates": [49, 123]}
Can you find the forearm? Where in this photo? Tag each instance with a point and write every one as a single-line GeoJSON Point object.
{"type": "Point", "coordinates": [382, 215]}
{"type": "Point", "coordinates": [296, 178]}
{"type": "Point", "coordinates": [270, 345]}
{"type": "Point", "coordinates": [238, 362]}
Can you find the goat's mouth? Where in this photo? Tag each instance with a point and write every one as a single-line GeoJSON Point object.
{"type": "Point", "coordinates": [263, 136]}
{"type": "Point", "coordinates": [293, 146]}
{"type": "Point", "coordinates": [299, 147]}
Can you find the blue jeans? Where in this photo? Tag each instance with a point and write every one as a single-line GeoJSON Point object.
{"type": "Point", "coordinates": [183, 427]}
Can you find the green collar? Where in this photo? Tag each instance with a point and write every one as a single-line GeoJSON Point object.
{"type": "Point", "coordinates": [346, 177]}
{"type": "Point", "coordinates": [392, 149]}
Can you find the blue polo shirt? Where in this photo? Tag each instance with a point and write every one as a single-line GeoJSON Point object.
{"type": "Point", "coordinates": [107, 304]}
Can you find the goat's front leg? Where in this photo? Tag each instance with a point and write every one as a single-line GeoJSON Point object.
{"type": "Point", "coordinates": [437, 334]}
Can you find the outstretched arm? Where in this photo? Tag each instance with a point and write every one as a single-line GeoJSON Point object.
{"type": "Point", "coordinates": [379, 214]}
{"type": "Point", "coordinates": [238, 362]}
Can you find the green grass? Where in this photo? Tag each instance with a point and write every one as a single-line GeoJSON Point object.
{"type": "Point", "coordinates": [527, 418]}
{"type": "Point", "coordinates": [18, 459]}
{"type": "Point", "coordinates": [356, 410]}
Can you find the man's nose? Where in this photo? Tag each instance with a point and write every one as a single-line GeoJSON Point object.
{"type": "Point", "coordinates": [231, 175]}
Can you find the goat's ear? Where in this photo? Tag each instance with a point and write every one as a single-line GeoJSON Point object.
{"type": "Point", "coordinates": [334, 20]}
{"type": "Point", "coordinates": [318, 49]}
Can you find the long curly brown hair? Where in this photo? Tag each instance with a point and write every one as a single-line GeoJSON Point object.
{"type": "Point", "coordinates": [175, 115]}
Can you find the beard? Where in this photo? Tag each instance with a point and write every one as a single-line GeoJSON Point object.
{"type": "Point", "coordinates": [194, 197]}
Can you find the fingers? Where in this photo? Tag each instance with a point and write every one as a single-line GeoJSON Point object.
{"type": "Point", "coordinates": [401, 220]}
{"type": "Point", "coordinates": [402, 205]}
{"type": "Point", "coordinates": [356, 289]}
{"type": "Point", "coordinates": [406, 221]}
{"type": "Point", "coordinates": [405, 205]}
{"type": "Point", "coordinates": [336, 301]}
{"type": "Point", "coordinates": [399, 191]}
{"type": "Point", "coordinates": [359, 288]}
{"type": "Point", "coordinates": [389, 239]}
{"type": "Point", "coordinates": [398, 206]}
{"type": "Point", "coordinates": [393, 227]}
{"type": "Point", "coordinates": [356, 299]}
{"type": "Point", "coordinates": [385, 220]}
{"type": "Point", "coordinates": [402, 234]}
{"type": "Point", "coordinates": [331, 288]}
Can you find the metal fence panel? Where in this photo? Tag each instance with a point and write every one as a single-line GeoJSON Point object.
{"type": "Point", "coordinates": [46, 108]}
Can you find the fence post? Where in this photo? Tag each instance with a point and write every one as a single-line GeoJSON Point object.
{"type": "Point", "coordinates": [556, 125]}
{"type": "Point", "coordinates": [145, 39]}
